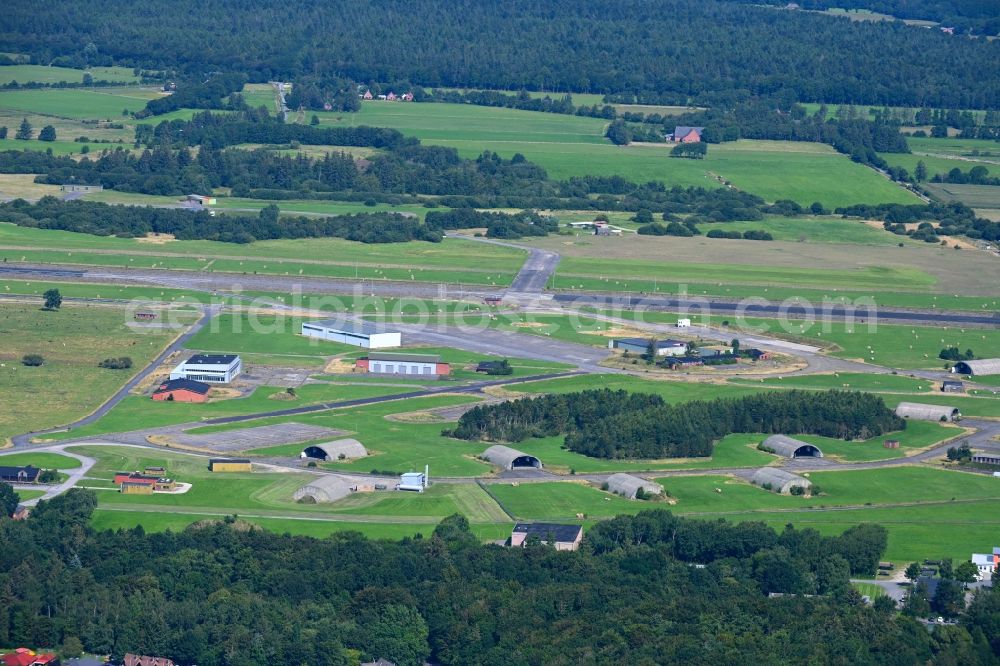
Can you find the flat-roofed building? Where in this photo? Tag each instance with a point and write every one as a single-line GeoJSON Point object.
{"type": "Point", "coordinates": [359, 334]}
{"type": "Point", "coordinates": [560, 537]}
{"type": "Point", "coordinates": [641, 346]}
{"type": "Point", "coordinates": [392, 363]}
{"type": "Point", "coordinates": [211, 368]}
{"type": "Point", "coordinates": [230, 465]}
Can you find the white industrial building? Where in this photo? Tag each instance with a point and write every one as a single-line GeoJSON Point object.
{"type": "Point", "coordinates": [986, 563]}
{"type": "Point", "coordinates": [359, 334]}
{"type": "Point", "coordinates": [211, 368]}
{"type": "Point", "coordinates": [921, 412]}
{"type": "Point", "coordinates": [415, 481]}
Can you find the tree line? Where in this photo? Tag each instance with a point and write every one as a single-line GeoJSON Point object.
{"type": "Point", "coordinates": [137, 221]}
{"type": "Point", "coordinates": [954, 218]}
{"type": "Point", "coordinates": [724, 48]}
{"type": "Point", "coordinates": [617, 424]}
{"type": "Point", "coordinates": [225, 593]}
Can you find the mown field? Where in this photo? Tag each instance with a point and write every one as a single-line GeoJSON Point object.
{"type": "Point", "coordinates": [75, 103]}
{"type": "Point", "coordinates": [452, 260]}
{"type": "Point", "coordinates": [47, 74]}
{"type": "Point", "coordinates": [589, 272]}
{"type": "Point", "coordinates": [97, 290]}
{"type": "Point", "coordinates": [845, 381]}
{"type": "Point", "coordinates": [266, 499]}
{"type": "Point", "coordinates": [39, 459]}
{"type": "Point", "coordinates": [913, 503]}
{"type": "Point", "coordinates": [72, 341]}
{"type": "Point", "coordinates": [899, 274]}
{"type": "Point", "coordinates": [813, 230]}
{"type": "Point", "coordinates": [975, 196]}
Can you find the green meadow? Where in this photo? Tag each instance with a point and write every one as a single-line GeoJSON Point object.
{"type": "Point", "coordinates": [574, 146]}
{"type": "Point", "coordinates": [453, 261]}
{"type": "Point", "coordinates": [140, 411]}
{"type": "Point", "coordinates": [898, 498]}
{"type": "Point", "coordinates": [76, 103]}
{"type": "Point", "coordinates": [638, 275]}
{"type": "Point", "coordinates": [845, 381]}
{"type": "Point", "coordinates": [813, 230]}
{"type": "Point", "coordinates": [97, 290]}
{"type": "Point", "coordinates": [46, 74]}
{"type": "Point", "coordinates": [395, 443]}
{"type": "Point", "coordinates": [269, 495]}
{"type": "Point", "coordinates": [893, 345]}
{"type": "Point", "coordinates": [39, 459]}
{"type": "Point", "coordinates": [72, 341]}
{"type": "Point", "coordinates": [59, 147]}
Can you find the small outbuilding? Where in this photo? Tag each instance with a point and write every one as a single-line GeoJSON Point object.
{"type": "Point", "coordinates": [341, 449]}
{"type": "Point", "coordinates": [779, 481]}
{"type": "Point", "coordinates": [508, 458]}
{"type": "Point", "coordinates": [952, 386]}
{"type": "Point", "coordinates": [789, 447]}
{"type": "Point", "coordinates": [983, 366]}
{"type": "Point", "coordinates": [628, 486]}
{"type": "Point", "coordinates": [921, 412]}
{"type": "Point", "coordinates": [230, 465]}
{"type": "Point", "coordinates": [413, 481]}
{"type": "Point", "coordinates": [323, 490]}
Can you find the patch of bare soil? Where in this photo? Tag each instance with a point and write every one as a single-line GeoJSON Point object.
{"type": "Point", "coordinates": [154, 238]}
{"type": "Point", "coordinates": [339, 366]}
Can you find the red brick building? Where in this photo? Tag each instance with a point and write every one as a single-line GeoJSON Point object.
{"type": "Point", "coordinates": [182, 390]}
{"type": "Point", "coordinates": [394, 363]}
{"type": "Point", "coordinates": [687, 134]}
{"type": "Point", "coordinates": [26, 657]}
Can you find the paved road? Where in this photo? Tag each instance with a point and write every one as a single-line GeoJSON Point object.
{"type": "Point", "coordinates": [138, 437]}
{"type": "Point", "coordinates": [177, 345]}
{"type": "Point", "coordinates": [73, 476]}
{"type": "Point", "coordinates": [763, 308]}
{"type": "Point", "coordinates": [536, 270]}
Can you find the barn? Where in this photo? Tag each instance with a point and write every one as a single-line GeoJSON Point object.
{"type": "Point", "coordinates": [322, 490]}
{"type": "Point", "coordinates": [984, 366]}
{"type": "Point", "coordinates": [508, 458]}
{"type": "Point", "coordinates": [560, 537]}
{"type": "Point", "coordinates": [778, 480]}
{"type": "Point", "coordinates": [341, 449]}
{"type": "Point", "coordinates": [628, 486]}
{"type": "Point", "coordinates": [26, 474]}
{"type": "Point", "coordinates": [182, 390]}
{"type": "Point", "coordinates": [789, 447]}
{"type": "Point", "coordinates": [922, 412]}
{"type": "Point", "coordinates": [359, 334]}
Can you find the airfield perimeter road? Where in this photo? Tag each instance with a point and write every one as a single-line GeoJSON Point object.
{"type": "Point", "coordinates": [533, 273]}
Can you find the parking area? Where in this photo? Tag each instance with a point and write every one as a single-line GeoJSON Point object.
{"type": "Point", "coordinates": [260, 437]}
